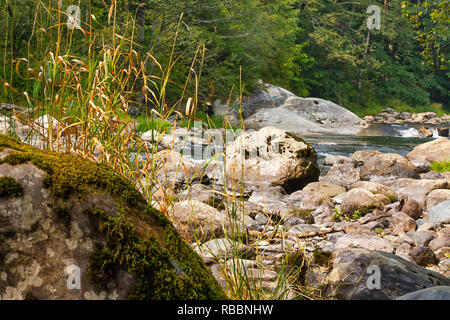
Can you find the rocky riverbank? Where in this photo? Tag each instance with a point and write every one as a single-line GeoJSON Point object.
{"type": "Point", "coordinates": [260, 213]}
{"type": "Point", "coordinates": [369, 209]}
{"type": "Point", "coordinates": [425, 124]}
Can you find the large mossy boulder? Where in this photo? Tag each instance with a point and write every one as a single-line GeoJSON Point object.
{"type": "Point", "coordinates": [62, 215]}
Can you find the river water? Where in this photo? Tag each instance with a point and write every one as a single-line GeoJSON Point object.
{"type": "Point", "coordinates": [346, 145]}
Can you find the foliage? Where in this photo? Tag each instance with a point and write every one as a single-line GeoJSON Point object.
{"type": "Point", "coordinates": [440, 166]}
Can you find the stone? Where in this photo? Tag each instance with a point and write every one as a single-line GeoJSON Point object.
{"type": "Point", "coordinates": [351, 277]}
{"type": "Point", "coordinates": [331, 160]}
{"type": "Point", "coordinates": [203, 194]}
{"type": "Point", "coordinates": [364, 240]}
{"type": "Point", "coordinates": [437, 196]}
{"type": "Point", "coordinates": [197, 221]}
{"type": "Point", "coordinates": [360, 200]}
{"type": "Point", "coordinates": [388, 165]}
{"type": "Point", "coordinates": [307, 200]}
{"type": "Point", "coordinates": [429, 152]}
{"type": "Point", "coordinates": [74, 216]}
{"type": "Point", "coordinates": [307, 115]}
{"type": "Point", "coordinates": [362, 156]}
{"type": "Point", "coordinates": [403, 222]}
{"type": "Point", "coordinates": [271, 157]}
{"type": "Point", "coordinates": [376, 188]}
{"type": "Point", "coordinates": [441, 241]}
{"type": "Point", "coordinates": [433, 293]}
{"type": "Point", "coordinates": [343, 175]}
{"type": "Point", "coordinates": [440, 213]}
{"type": "Point", "coordinates": [421, 238]}
{"type": "Point", "coordinates": [171, 162]}
{"type": "Point", "coordinates": [423, 256]}
{"type": "Point", "coordinates": [221, 249]}
{"type": "Point", "coordinates": [328, 189]}
{"type": "Point", "coordinates": [412, 208]}
{"type": "Point", "coordinates": [419, 190]}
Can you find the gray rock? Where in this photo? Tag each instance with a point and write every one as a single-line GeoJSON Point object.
{"type": "Point", "coordinates": [350, 277]}
{"type": "Point", "coordinates": [271, 157]}
{"type": "Point", "coordinates": [388, 165]}
{"type": "Point", "coordinates": [437, 196]}
{"type": "Point", "coordinates": [423, 256]}
{"type": "Point", "coordinates": [268, 96]}
{"type": "Point", "coordinates": [440, 242]}
{"type": "Point", "coordinates": [422, 238]}
{"type": "Point", "coordinates": [307, 115]}
{"type": "Point", "coordinates": [360, 200]}
{"type": "Point", "coordinates": [440, 213]}
{"type": "Point", "coordinates": [419, 190]}
{"type": "Point", "coordinates": [434, 293]}
{"type": "Point", "coordinates": [367, 241]}
{"type": "Point", "coordinates": [343, 175]}
{"type": "Point", "coordinates": [436, 150]}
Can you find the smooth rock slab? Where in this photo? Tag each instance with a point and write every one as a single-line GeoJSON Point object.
{"type": "Point", "coordinates": [349, 276]}
{"type": "Point", "coordinates": [434, 293]}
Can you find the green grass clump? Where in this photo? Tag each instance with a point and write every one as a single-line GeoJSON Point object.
{"type": "Point", "coordinates": [440, 166]}
{"type": "Point", "coordinates": [147, 124]}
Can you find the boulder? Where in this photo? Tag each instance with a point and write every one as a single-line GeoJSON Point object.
{"type": "Point", "coordinates": [412, 208]}
{"type": "Point", "coordinates": [429, 152]}
{"type": "Point", "coordinates": [388, 165]}
{"type": "Point", "coordinates": [362, 156]}
{"type": "Point", "coordinates": [307, 200]}
{"type": "Point", "coordinates": [197, 221]}
{"type": "Point", "coordinates": [419, 190]}
{"type": "Point", "coordinates": [437, 196]}
{"type": "Point", "coordinates": [434, 293]}
{"type": "Point", "coordinates": [423, 256]}
{"type": "Point", "coordinates": [440, 213]}
{"type": "Point", "coordinates": [360, 200]}
{"type": "Point", "coordinates": [403, 222]}
{"type": "Point", "coordinates": [203, 194]}
{"type": "Point", "coordinates": [331, 160]}
{"type": "Point", "coordinates": [364, 240]}
{"type": "Point", "coordinates": [307, 115]}
{"type": "Point", "coordinates": [271, 157]}
{"type": "Point", "coordinates": [355, 271]}
{"type": "Point", "coordinates": [328, 189]}
{"type": "Point", "coordinates": [376, 188]}
{"type": "Point", "coordinates": [267, 96]}
{"type": "Point", "coordinates": [343, 175]}
{"type": "Point", "coordinates": [67, 223]}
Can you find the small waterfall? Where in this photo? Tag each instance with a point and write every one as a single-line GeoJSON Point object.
{"type": "Point", "coordinates": [435, 132]}
{"type": "Point", "coordinates": [410, 133]}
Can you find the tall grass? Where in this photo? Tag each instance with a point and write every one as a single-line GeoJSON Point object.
{"type": "Point", "coordinates": [85, 100]}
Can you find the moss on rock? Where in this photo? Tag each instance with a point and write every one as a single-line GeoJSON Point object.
{"type": "Point", "coordinates": [10, 188]}
{"type": "Point", "coordinates": [137, 238]}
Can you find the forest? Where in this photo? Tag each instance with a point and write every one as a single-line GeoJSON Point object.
{"type": "Point", "coordinates": [215, 49]}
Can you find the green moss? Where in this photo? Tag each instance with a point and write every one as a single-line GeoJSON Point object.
{"type": "Point", "coordinates": [160, 272]}
{"type": "Point", "coordinates": [303, 214]}
{"type": "Point", "coordinates": [10, 188]}
{"type": "Point", "coordinates": [138, 238]}
{"type": "Point", "coordinates": [62, 213]}
{"type": "Point", "coordinates": [322, 258]}
{"type": "Point", "coordinates": [298, 263]}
